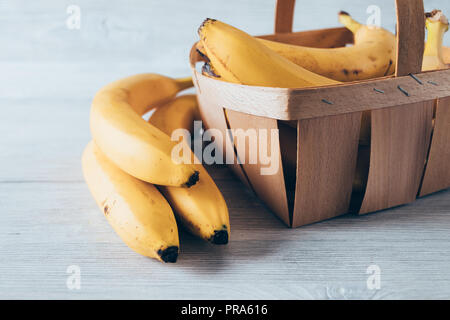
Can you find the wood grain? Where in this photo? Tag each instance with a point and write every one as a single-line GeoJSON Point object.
{"type": "Point", "coordinates": [284, 16]}
{"type": "Point", "coordinates": [400, 136]}
{"type": "Point", "coordinates": [324, 38]}
{"type": "Point", "coordinates": [298, 104]}
{"type": "Point", "coordinates": [400, 139]}
{"type": "Point", "coordinates": [437, 173]}
{"type": "Point", "coordinates": [327, 152]}
{"type": "Point", "coordinates": [410, 36]}
{"type": "Point", "coordinates": [270, 187]}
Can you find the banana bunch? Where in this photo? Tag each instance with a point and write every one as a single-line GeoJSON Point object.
{"type": "Point", "coordinates": [131, 175]}
{"type": "Point", "coordinates": [372, 55]}
{"type": "Point", "coordinates": [237, 57]}
{"type": "Point", "coordinates": [201, 208]}
{"type": "Point", "coordinates": [234, 56]}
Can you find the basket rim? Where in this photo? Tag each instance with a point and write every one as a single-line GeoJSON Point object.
{"type": "Point", "coordinates": [312, 102]}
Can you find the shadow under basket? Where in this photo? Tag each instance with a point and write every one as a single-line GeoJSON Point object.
{"type": "Point", "coordinates": [321, 148]}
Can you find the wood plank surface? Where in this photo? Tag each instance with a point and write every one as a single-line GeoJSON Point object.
{"type": "Point", "coordinates": [49, 221]}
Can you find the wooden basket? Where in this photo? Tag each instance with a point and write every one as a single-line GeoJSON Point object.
{"type": "Point", "coordinates": [409, 157]}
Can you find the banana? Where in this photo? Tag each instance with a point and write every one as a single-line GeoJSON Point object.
{"type": "Point", "coordinates": [437, 26]}
{"type": "Point", "coordinates": [373, 54]}
{"type": "Point", "coordinates": [134, 145]}
{"type": "Point", "coordinates": [201, 208]}
{"type": "Point", "coordinates": [136, 210]}
{"type": "Point", "coordinates": [178, 113]}
{"type": "Point", "coordinates": [148, 90]}
{"type": "Point", "coordinates": [239, 58]}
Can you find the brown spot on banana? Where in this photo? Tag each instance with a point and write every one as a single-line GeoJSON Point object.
{"type": "Point", "coordinates": [108, 205]}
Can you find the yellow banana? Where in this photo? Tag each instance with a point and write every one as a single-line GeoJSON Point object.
{"type": "Point", "coordinates": [178, 113]}
{"type": "Point", "coordinates": [134, 145]}
{"type": "Point", "coordinates": [135, 209]}
{"type": "Point", "coordinates": [148, 90]}
{"type": "Point", "coordinates": [201, 208]}
{"type": "Point", "coordinates": [239, 58]}
{"type": "Point", "coordinates": [372, 56]}
{"type": "Point", "coordinates": [437, 26]}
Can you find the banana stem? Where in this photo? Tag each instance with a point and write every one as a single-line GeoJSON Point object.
{"type": "Point", "coordinates": [349, 22]}
{"type": "Point", "coordinates": [184, 83]}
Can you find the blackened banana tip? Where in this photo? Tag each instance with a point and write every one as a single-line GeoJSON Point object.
{"type": "Point", "coordinates": [193, 179]}
{"type": "Point", "coordinates": [220, 237]}
{"type": "Point", "coordinates": [344, 13]}
{"type": "Point", "coordinates": [169, 255]}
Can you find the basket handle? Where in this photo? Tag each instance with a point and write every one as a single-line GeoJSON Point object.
{"type": "Point", "coordinates": [410, 32]}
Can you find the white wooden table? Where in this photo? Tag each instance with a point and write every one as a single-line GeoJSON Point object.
{"type": "Point", "coordinates": [48, 220]}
